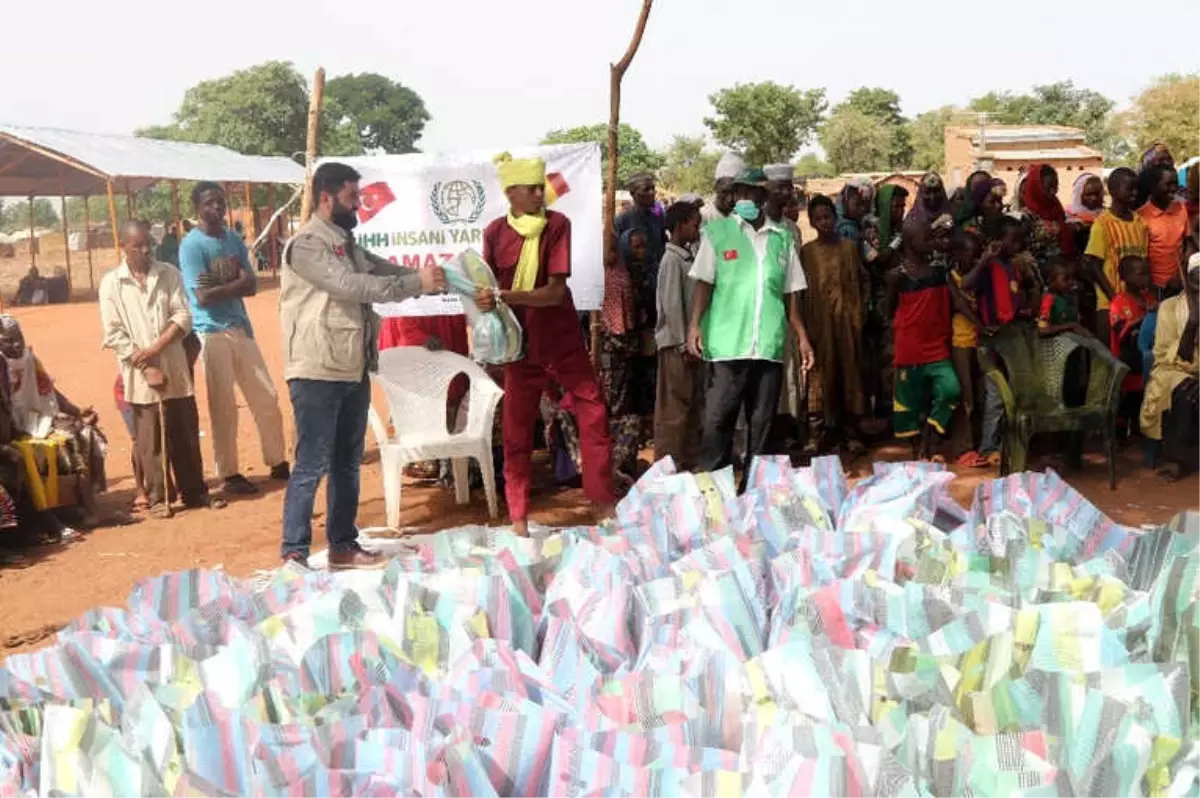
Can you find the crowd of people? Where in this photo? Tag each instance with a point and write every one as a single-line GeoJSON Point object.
{"type": "Point", "coordinates": [723, 335]}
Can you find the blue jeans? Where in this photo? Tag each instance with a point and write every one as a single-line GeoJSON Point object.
{"type": "Point", "coordinates": [331, 424]}
{"type": "Point", "coordinates": [993, 414]}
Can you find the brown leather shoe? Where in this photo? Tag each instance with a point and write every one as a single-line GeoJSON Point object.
{"type": "Point", "coordinates": [353, 557]}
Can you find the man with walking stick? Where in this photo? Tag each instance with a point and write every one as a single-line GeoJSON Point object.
{"type": "Point", "coordinates": [145, 317]}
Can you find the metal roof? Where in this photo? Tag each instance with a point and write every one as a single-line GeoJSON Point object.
{"type": "Point", "coordinates": [1052, 154]}
{"type": "Point", "coordinates": [49, 162]}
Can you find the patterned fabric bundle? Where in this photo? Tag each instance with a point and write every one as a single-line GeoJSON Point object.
{"type": "Point", "coordinates": [807, 637]}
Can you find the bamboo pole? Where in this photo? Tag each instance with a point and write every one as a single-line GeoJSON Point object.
{"type": "Point", "coordinates": [32, 237]}
{"type": "Point", "coordinates": [112, 217]}
{"type": "Point", "coordinates": [616, 75]}
{"type": "Point", "coordinates": [87, 243]}
{"type": "Point", "coordinates": [66, 226]}
{"type": "Point", "coordinates": [312, 143]}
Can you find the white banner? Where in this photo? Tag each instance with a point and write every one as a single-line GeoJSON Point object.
{"type": "Point", "coordinates": [423, 209]}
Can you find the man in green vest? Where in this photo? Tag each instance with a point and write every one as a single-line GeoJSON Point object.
{"type": "Point", "coordinates": [748, 276]}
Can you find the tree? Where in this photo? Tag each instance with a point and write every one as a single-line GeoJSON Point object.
{"type": "Point", "coordinates": [636, 155]}
{"type": "Point", "coordinates": [1060, 103]}
{"type": "Point", "coordinates": [856, 142]}
{"type": "Point", "coordinates": [14, 215]}
{"type": "Point", "coordinates": [387, 115]}
{"type": "Point", "coordinates": [1167, 110]}
{"type": "Point", "coordinates": [811, 165]}
{"type": "Point", "coordinates": [766, 122]}
{"type": "Point", "coordinates": [689, 166]}
{"type": "Point", "coordinates": [884, 106]}
{"type": "Point", "coordinates": [261, 110]}
{"type": "Point", "coordinates": [927, 136]}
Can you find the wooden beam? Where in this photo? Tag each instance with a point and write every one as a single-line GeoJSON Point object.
{"type": "Point", "coordinates": [130, 207]}
{"type": "Point", "coordinates": [273, 237]}
{"type": "Point", "coordinates": [66, 227]}
{"type": "Point", "coordinates": [312, 143]}
{"type": "Point", "coordinates": [248, 198]}
{"type": "Point", "coordinates": [112, 217]}
{"type": "Point", "coordinates": [15, 163]}
{"type": "Point", "coordinates": [228, 204]}
{"type": "Point", "coordinates": [87, 243]}
{"type": "Point", "coordinates": [52, 155]}
{"type": "Point", "coordinates": [175, 221]}
{"type": "Point", "coordinates": [33, 243]}
{"type": "Point", "coordinates": [616, 74]}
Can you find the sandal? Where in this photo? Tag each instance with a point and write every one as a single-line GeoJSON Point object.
{"type": "Point", "coordinates": [161, 511]}
{"type": "Point", "coordinates": [993, 459]}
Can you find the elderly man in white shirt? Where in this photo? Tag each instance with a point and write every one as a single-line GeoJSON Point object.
{"type": "Point", "coordinates": [145, 317]}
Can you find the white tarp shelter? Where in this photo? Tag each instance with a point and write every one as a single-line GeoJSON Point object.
{"type": "Point", "coordinates": [47, 162]}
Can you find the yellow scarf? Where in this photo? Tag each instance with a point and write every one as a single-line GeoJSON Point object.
{"type": "Point", "coordinates": [529, 228]}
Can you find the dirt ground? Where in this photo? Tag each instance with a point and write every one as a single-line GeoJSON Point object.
{"type": "Point", "coordinates": [55, 584]}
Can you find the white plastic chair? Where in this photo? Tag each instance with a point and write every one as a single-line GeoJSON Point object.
{"type": "Point", "coordinates": [416, 383]}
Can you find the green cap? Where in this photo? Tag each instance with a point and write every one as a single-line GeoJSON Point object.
{"type": "Point", "coordinates": [751, 177]}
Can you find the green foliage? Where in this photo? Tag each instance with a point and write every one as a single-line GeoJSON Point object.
{"type": "Point", "coordinates": [928, 138]}
{"type": "Point", "coordinates": [883, 105]}
{"type": "Point", "coordinates": [14, 215]}
{"type": "Point", "coordinates": [766, 122]}
{"type": "Point", "coordinates": [1168, 110]}
{"type": "Point", "coordinates": [1061, 103]}
{"type": "Point", "coordinates": [636, 155]}
{"type": "Point", "coordinates": [387, 115]}
{"type": "Point", "coordinates": [811, 165]}
{"type": "Point", "coordinates": [689, 166]}
{"type": "Point", "coordinates": [856, 142]}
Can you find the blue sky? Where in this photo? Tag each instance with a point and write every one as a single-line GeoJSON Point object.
{"type": "Point", "coordinates": [502, 73]}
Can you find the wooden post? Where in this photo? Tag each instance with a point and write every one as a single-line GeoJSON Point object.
{"type": "Point", "coordinates": [176, 224]}
{"type": "Point", "coordinates": [112, 217]}
{"type": "Point", "coordinates": [87, 243]}
{"type": "Point", "coordinates": [32, 237]}
{"type": "Point", "coordinates": [130, 205]}
{"type": "Point", "coordinates": [312, 143]}
{"type": "Point", "coordinates": [228, 205]}
{"type": "Point", "coordinates": [66, 235]}
{"type": "Point", "coordinates": [616, 74]}
{"type": "Point", "coordinates": [248, 196]}
{"type": "Point", "coordinates": [273, 237]}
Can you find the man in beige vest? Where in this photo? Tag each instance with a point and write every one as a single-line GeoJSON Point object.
{"type": "Point", "coordinates": [330, 334]}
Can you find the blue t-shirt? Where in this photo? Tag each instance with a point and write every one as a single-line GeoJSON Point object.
{"type": "Point", "coordinates": [200, 253]}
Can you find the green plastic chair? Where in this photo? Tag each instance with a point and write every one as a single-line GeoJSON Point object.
{"type": "Point", "coordinates": [1031, 387]}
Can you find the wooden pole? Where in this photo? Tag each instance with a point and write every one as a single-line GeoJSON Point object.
{"type": "Point", "coordinates": [130, 205]}
{"type": "Point", "coordinates": [112, 217]}
{"type": "Point", "coordinates": [312, 146]}
{"type": "Point", "coordinates": [87, 243]}
{"type": "Point", "coordinates": [228, 205]}
{"type": "Point", "coordinates": [66, 235]}
{"type": "Point", "coordinates": [176, 224]}
{"type": "Point", "coordinates": [616, 74]}
{"type": "Point", "coordinates": [32, 237]}
{"type": "Point", "coordinates": [248, 197]}
{"type": "Point", "coordinates": [273, 238]}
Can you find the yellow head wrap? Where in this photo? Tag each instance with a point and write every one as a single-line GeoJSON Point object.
{"type": "Point", "coordinates": [521, 172]}
{"type": "Point", "coordinates": [525, 172]}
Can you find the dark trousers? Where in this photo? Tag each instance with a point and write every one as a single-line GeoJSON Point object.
{"type": "Point", "coordinates": [679, 408]}
{"type": "Point", "coordinates": [183, 451]}
{"type": "Point", "coordinates": [331, 424]}
{"type": "Point", "coordinates": [750, 385]}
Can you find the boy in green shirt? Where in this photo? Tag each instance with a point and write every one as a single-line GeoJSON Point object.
{"type": "Point", "coordinates": [747, 278]}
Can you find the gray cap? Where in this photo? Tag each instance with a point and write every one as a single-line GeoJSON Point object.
{"type": "Point", "coordinates": [781, 172]}
{"type": "Point", "coordinates": [731, 165]}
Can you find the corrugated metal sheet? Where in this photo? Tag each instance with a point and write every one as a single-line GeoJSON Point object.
{"type": "Point", "coordinates": [49, 161]}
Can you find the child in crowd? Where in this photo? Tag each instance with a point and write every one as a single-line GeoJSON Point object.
{"type": "Point", "coordinates": [1127, 313]}
{"type": "Point", "coordinates": [1001, 300]}
{"type": "Point", "coordinates": [1058, 312]}
{"type": "Point", "coordinates": [922, 298]}
{"type": "Point", "coordinates": [968, 264]}
{"type": "Point", "coordinates": [679, 400]}
{"type": "Point", "coordinates": [619, 346]}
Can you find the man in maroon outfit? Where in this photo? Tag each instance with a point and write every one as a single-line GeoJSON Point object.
{"type": "Point", "coordinates": [536, 289]}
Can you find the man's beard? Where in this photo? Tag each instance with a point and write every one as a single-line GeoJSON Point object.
{"type": "Point", "coordinates": [343, 217]}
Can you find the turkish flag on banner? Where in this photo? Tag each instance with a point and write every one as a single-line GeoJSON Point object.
{"type": "Point", "coordinates": [556, 187]}
{"type": "Point", "coordinates": [372, 199]}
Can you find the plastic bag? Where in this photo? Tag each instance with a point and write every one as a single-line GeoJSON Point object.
{"type": "Point", "coordinates": [496, 336]}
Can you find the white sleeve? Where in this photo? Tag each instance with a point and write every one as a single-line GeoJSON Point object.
{"type": "Point", "coordinates": [704, 267]}
{"type": "Point", "coordinates": [794, 279]}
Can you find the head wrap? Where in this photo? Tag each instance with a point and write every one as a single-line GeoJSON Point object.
{"type": "Point", "coordinates": [883, 211]}
{"type": "Point", "coordinates": [9, 324]}
{"type": "Point", "coordinates": [982, 189]}
{"type": "Point", "coordinates": [924, 215]}
{"type": "Point", "coordinates": [519, 172]}
{"type": "Point", "coordinates": [932, 179]}
{"type": "Point", "coordinates": [638, 178]}
{"type": "Point", "coordinates": [779, 172]}
{"type": "Point", "coordinates": [1077, 209]}
{"type": "Point", "coordinates": [730, 166]}
{"type": "Point", "coordinates": [1193, 262]}
{"type": "Point", "coordinates": [1045, 206]}
{"type": "Point", "coordinates": [943, 222]}
{"type": "Point", "coordinates": [691, 199]}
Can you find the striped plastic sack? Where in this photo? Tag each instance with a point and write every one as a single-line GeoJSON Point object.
{"type": "Point", "coordinates": [81, 754]}
{"type": "Point", "coordinates": [575, 771]}
{"type": "Point", "coordinates": [174, 595]}
{"type": "Point", "coordinates": [496, 336]}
